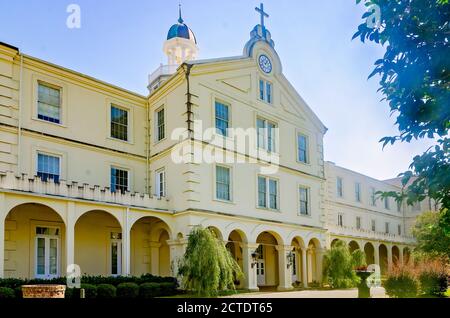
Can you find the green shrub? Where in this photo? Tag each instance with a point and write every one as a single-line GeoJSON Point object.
{"type": "Point", "coordinates": [338, 266]}
{"type": "Point", "coordinates": [106, 291]}
{"type": "Point", "coordinates": [7, 293]}
{"type": "Point", "coordinates": [402, 282]}
{"type": "Point", "coordinates": [168, 289]}
{"type": "Point", "coordinates": [18, 292]}
{"type": "Point", "coordinates": [90, 291]}
{"type": "Point", "coordinates": [149, 290]}
{"type": "Point", "coordinates": [128, 290]}
{"type": "Point", "coordinates": [433, 277]}
{"type": "Point", "coordinates": [70, 293]}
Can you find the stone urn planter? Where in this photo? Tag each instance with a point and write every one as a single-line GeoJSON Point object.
{"type": "Point", "coordinates": [363, 289]}
{"type": "Point", "coordinates": [43, 291]}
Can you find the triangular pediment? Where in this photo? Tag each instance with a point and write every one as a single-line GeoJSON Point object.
{"type": "Point", "coordinates": [240, 83]}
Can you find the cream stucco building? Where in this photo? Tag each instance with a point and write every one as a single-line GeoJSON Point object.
{"type": "Point", "coordinates": [89, 176]}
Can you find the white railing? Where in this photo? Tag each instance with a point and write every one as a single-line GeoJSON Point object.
{"type": "Point", "coordinates": [73, 190]}
{"type": "Point", "coordinates": [163, 70]}
{"type": "Point", "coordinates": [367, 234]}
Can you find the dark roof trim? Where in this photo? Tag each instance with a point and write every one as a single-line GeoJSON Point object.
{"type": "Point", "coordinates": [9, 45]}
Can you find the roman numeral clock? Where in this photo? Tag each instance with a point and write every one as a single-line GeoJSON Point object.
{"type": "Point", "coordinates": [265, 64]}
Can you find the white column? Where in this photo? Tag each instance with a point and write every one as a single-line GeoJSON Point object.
{"type": "Point", "coordinates": [376, 254]}
{"type": "Point", "coordinates": [304, 269]}
{"type": "Point", "coordinates": [285, 274]}
{"type": "Point", "coordinates": [319, 260]}
{"type": "Point", "coordinates": [389, 255]}
{"type": "Point", "coordinates": [250, 282]}
{"type": "Point", "coordinates": [126, 244]}
{"type": "Point", "coordinates": [2, 234]}
{"type": "Point", "coordinates": [70, 235]}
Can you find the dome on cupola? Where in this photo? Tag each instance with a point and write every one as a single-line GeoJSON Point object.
{"type": "Point", "coordinates": [181, 30]}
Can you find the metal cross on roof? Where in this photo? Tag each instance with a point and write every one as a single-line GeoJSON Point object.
{"type": "Point", "coordinates": [263, 14]}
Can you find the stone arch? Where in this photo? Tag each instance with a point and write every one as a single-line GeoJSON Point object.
{"type": "Point", "coordinates": [98, 243]}
{"type": "Point", "coordinates": [383, 253]}
{"type": "Point", "coordinates": [334, 241]}
{"type": "Point", "coordinates": [268, 263]}
{"type": "Point", "coordinates": [235, 241]}
{"type": "Point", "coordinates": [395, 254]}
{"type": "Point", "coordinates": [369, 250]}
{"type": "Point", "coordinates": [353, 246]}
{"type": "Point", "coordinates": [215, 230]}
{"type": "Point", "coordinates": [297, 262]}
{"type": "Point", "coordinates": [313, 260]}
{"type": "Point", "coordinates": [34, 241]}
{"type": "Point", "coordinates": [406, 255]}
{"type": "Point", "coordinates": [149, 248]}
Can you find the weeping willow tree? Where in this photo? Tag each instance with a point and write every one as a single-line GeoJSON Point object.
{"type": "Point", "coordinates": [207, 266]}
{"type": "Point", "coordinates": [339, 265]}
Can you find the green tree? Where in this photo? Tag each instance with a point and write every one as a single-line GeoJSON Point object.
{"type": "Point", "coordinates": [415, 73]}
{"type": "Point", "coordinates": [430, 235]}
{"type": "Point", "coordinates": [207, 266]}
{"type": "Point", "coordinates": [339, 265]}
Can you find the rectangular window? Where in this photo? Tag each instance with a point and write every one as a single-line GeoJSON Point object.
{"type": "Point", "coordinates": [358, 192]}
{"type": "Point", "coordinates": [48, 167]}
{"type": "Point", "coordinates": [399, 206]}
{"type": "Point", "coordinates": [47, 252]}
{"type": "Point", "coordinates": [262, 190]}
{"type": "Point", "coordinates": [386, 227]}
{"type": "Point", "coordinates": [399, 229]}
{"type": "Point", "coordinates": [340, 220]}
{"type": "Point", "coordinates": [160, 183]}
{"type": "Point", "coordinates": [339, 187]}
{"type": "Point", "coordinates": [119, 123]}
{"type": "Point", "coordinates": [304, 198]}
{"type": "Point", "coordinates": [223, 183]}
{"type": "Point", "coordinates": [268, 193]}
{"type": "Point", "coordinates": [49, 103]}
{"type": "Point", "coordinates": [273, 194]}
{"type": "Point", "coordinates": [358, 223]}
{"type": "Point", "coordinates": [160, 125]}
{"type": "Point", "coordinates": [222, 118]}
{"type": "Point", "coordinates": [373, 225]}
{"type": "Point", "coordinates": [266, 135]}
{"type": "Point", "coordinates": [265, 91]}
{"type": "Point", "coordinates": [302, 143]}
{"type": "Point", "coordinates": [386, 203]}
{"type": "Point", "coordinates": [373, 199]}
{"type": "Point", "coordinates": [119, 180]}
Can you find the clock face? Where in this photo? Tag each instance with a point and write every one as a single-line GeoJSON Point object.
{"type": "Point", "coordinates": [265, 64]}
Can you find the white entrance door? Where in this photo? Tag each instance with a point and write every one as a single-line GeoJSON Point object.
{"type": "Point", "coordinates": [47, 252]}
{"type": "Point", "coordinates": [261, 267]}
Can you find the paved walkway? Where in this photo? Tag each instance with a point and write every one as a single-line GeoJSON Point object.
{"type": "Point", "coordinates": [347, 293]}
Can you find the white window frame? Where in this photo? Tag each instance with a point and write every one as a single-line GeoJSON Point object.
{"type": "Point", "coordinates": [122, 169]}
{"type": "Point", "coordinates": [267, 182]}
{"type": "Point", "coordinates": [265, 129]}
{"type": "Point", "coordinates": [387, 227]}
{"type": "Point", "coordinates": [373, 225]}
{"type": "Point", "coordinates": [157, 136]}
{"type": "Point", "coordinates": [49, 154]}
{"type": "Point", "coordinates": [307, 162]}
{"type": "Point", "coordinates": [228, 105]}
{"type": "Point", "coordinates": [399, 229]}
{"type": "Point", "coordinates": [47, 250]}
{"type": "Point", "coordinates": [119, 255]}
{"type": "Point", "coordinates": [387, 204]}
{"type": "Point", "coordinates": [129, 130]}
{"type": "Point", "coordinates": [373, 198]}
{"type": "Point", "coordinates": [308, 201]}
{"type": "Point", "coordinates": [230, 169]}
{"type": "Point", "coordinates": [158, 173]}
{"type": "Point", "coordinates": [56, 87]}
{"type": "Point", "coordinates": [265, 98]}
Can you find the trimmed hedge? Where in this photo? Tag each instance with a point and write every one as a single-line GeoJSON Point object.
{"type": "Point", "coordinates": [7, 293]}
{"type": "Point", "coordinates": [106, 291]}
{"type": "Point", "coordinates": [145, 286]}
{"type": "Point", "coordinates": [127, 290]}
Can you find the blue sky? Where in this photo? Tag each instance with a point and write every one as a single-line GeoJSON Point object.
{"type": "Point", "coordinates": [121, 42]}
